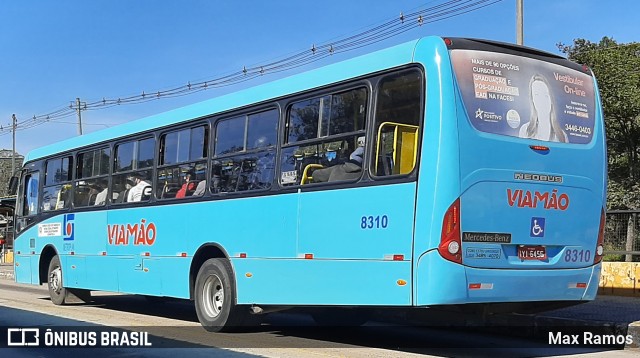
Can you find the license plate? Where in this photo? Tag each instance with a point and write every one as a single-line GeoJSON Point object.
{"type": "Point", "coordinates": [537, 252]}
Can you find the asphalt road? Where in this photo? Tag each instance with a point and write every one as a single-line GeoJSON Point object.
{"type": "Point", "coordinates": [173, 330]}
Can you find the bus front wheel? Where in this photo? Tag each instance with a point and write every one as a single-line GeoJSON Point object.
{"type": "Point", "coordinates": [57, 291]}
{"type": "Point", "coordinates": [215, 297]}
{"type": "Point", "coordinates": [59, 294]}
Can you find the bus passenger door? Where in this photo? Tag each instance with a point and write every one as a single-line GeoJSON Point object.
{"type": "Point", "coordinates": [27, 207]}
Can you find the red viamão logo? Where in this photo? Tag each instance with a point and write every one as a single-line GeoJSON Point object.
{"type": "Point", "coordinates": [547, 200]}
{"type": "Point", "coordinates": [142, 233]}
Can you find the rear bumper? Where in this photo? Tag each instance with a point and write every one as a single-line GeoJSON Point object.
{"type": "Point", "coordinates": [439, 281]}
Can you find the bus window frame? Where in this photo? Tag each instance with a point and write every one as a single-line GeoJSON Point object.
{"type": "Point", "coordinates": [421, 124]}
{"type": "Point", "coordinates": [62, 183]}
{"type": "Point", "coordinates": [153, 168]}
{"type": "Point", "coordinates": [275, 148]}
{"type": "Point", "coordinates": [77, 175]}
{"type": "Point", "coordinates": [22, 222]}
{"type": "Point", "coordinates": [369, 82]}
{"type": "Point", "coordinates": [161, 135]}
{"type": "Point", "coordinates": [37, 210]}
{"type": "Point", "coordinates": [330, 90]}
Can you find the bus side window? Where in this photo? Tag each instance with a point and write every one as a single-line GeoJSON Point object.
{"type": "Point", "coordinates": [397, 123]}
{"type": "Point", "coordinates": [133, 163]}
{"type": "Point", "coordinates": [245, 162]}
{"type": "Point", "coordinates": [57, 192]}
{"type": "Point", "coordinates": [168, 183]}
{"type": "Point", "coordinates": [27, 201]}
{"type": "Point", "coordinates": [182, 166]}
{"type": "Point", "coordinates": [92, 181]}
{"type": "Point", "coordinates": [332, 131]}
{"type": "Point", "coordinates": [30, 198]}
{"type": "Point", "coordinates": [332, 161]}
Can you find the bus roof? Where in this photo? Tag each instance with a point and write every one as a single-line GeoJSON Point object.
{"type": "Point", "coordinates": [358, 66]}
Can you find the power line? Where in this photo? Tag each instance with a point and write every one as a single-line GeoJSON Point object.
{"type": "Point", "coordinates": [369, 36]}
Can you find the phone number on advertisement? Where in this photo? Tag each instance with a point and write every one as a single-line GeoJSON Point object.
{"type": "Point", "coordinates": [577, 129]}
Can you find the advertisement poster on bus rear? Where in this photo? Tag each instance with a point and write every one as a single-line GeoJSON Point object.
{"type": "Point", "coordinates": [524, 97]}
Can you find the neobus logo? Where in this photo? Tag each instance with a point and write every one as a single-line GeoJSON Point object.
{"type": "Point", "coordinates": [528, 199]}
{"type": "Point", "coordinates": [538, 177]}
{"type": "Point", "coordinates": [139, 234]}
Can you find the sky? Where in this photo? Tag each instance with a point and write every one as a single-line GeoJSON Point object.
{"type": "Point", "coordinates": [56, 51]}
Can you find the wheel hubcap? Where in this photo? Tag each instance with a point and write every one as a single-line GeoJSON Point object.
{"type": "Point", "coordinates": [55, 280]}
{"type": "Point", "coordinates": [213, 296]}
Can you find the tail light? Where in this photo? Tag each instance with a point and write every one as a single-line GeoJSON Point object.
{"type": "Point", "coordinates": [450, 246]}
{"type": "Point", "coordinates": [600, 246]}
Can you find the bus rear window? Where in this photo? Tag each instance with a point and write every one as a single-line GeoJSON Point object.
{"type": "Point", "coordinates": [524, 97]}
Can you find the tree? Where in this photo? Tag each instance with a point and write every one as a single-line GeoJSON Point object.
{"type": "Point", "coordinates": [617, 70]}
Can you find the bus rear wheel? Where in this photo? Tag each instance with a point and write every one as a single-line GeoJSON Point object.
{"type": "Point", "coordinates": [215, 297]}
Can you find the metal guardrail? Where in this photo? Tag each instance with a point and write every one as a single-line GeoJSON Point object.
{"type": "Point", "coordinates": [6, 237]}
{"type": "Point", "coordinates": [622, 235]}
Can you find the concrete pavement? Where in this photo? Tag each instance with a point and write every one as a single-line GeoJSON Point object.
{"type": "Point", "coordinates": [6, 271]}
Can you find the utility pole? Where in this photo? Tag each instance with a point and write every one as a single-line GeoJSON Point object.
{"type": "Point", "coordinates": [79, 109]}
{"type": "Point", "coordinates": [13, 153]}
{"type": "Point", "coordinates": [519, 23]}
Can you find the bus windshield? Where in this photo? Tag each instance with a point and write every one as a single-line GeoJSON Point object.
{"type": "Point", "coordinates": [523, 97]}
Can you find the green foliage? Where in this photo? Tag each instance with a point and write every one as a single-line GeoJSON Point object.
{"type": "Point", "coordinates": [617, 70]}
{"type": "Point", "coordinates": [622, 193]}
{"type": "Point", "coordinates": [613, 258]}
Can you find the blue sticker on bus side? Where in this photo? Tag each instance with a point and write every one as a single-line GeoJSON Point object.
{"type": "Point", "coordinates": [482, 253]}
{"type": "Point", "coordinates": [68, 227]}
{"type": "Point", "coordinates": [537, 227]}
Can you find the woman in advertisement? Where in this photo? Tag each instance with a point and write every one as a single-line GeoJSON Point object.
{"type": "Point", "coordinates": [544, 122]}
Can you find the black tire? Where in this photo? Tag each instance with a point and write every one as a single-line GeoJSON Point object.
{"type": "Point", "coordinates": [57, 292]}
{"type": "Point", "coordinates": [341, 317]}
{"type": "Point", "coordinates": [215, 297]}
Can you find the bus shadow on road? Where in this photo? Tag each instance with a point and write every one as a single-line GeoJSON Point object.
{"type": "Point", "coordinates": [297, 330]}
{"type": "Point", "coordinates": [147, 305]}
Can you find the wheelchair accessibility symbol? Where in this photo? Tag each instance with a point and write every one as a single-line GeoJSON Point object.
{"type": "Point", "coordinates": [537, 227]}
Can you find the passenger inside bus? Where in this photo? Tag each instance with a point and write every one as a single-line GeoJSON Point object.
{"type": "Point", "coordinates": [189, 185]}
{"type": "Point", "coordinates": [124, 194]}
{"type": "Point", "coordinates": [139, 188]}
{"type": "Point", "coordinates": [101, 197]}
{"type": "Point", "coordinates": [202, 186]}
{"type": "Point", "coordinates": [349, 170]}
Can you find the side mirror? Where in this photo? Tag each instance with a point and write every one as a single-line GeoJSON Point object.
{"type": "Point", "coordinates": [13, 185]}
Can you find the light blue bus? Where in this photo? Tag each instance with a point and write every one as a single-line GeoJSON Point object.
{"type": "Point", "coordinates": [443, 171]}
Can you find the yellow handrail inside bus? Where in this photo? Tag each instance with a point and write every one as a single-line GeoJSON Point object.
{"type": "Point", "coordinates": [60, 201]}
{"type": "Point", "coordinates": [305, 174]}
{"type": "Point", "coordinates": [404, 148]}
